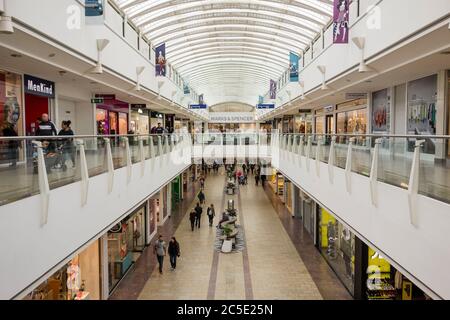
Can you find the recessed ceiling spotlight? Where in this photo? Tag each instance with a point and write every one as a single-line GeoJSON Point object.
{"type": "Point", "coordinates": [368, 81]}
{"type": "Point", "coordinates": [16, 55]}
{"type": "Point", "coordinates": [348, 80]}
{"type": "Point", "coordinates": [445, 52]}
{"type": "Point", "coordinates": [93, 82]}
{"type": "Point", "coordinates": [51, 55]}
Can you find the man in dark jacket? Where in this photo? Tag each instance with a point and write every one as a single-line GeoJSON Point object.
{"type": "Point", "coordinates": [46, 127]}
{"type": "Point", "coordinates": [211, 212]}
{"type": "Point", "coordinates": [198, 214]}
{"type": "Point", "coordinates": [192, 217]}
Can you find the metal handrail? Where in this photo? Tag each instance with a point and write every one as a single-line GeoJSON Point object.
{"type": "Point", "coordinates": [374, 135]}
{"type": "Point", "coordinates": [85, 136]}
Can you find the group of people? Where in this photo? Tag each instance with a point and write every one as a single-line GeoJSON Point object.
{"type": "Point", "coordinates": [158, 129]}
{"type": "Point", "coordinates": [160, 251]}
{"type": "Point", "coordinates": [195, 216]}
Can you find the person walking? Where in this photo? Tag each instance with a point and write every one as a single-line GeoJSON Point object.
{"type": "Point", "coordinates": [201, 197]}
{"type": "Point", "coordinates": [198, 214]}
{"type": "Point", "coordinates": [211, 212]}
{"type": "Point", "coordinates": [67, 144]}
{"type": "Point", "coordinates": [160, 251]}
{"type": "Point", "coordinates": [192, 218]}
{"type": "Point", "coordinates": [256, 179]}
{"type": "Point", "coordinates": [174, 252]}
{"type": "Point", "coordinates": [202, 183]}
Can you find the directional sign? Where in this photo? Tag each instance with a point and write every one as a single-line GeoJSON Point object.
{"type": "Point", "coordinates": [265, 106]}
{"type": "Point", "coordinates": [198, 106]}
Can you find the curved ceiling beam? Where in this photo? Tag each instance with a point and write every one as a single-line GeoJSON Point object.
{"type": "Point", "coordinates": [237, 54]}
{"type": "Point", "coordinates": [215, 22]}
{"type": "Point", "coordinates": [219, 68]}
{"type": "Point", "coordinates": [324, 10]}
{"type": "Point", "coordinates": [245, 78]}
{"type": "Point", "coordinates": [306, 29]}
{"type": "Point", "coordinates": [281, 60]}
{"type": "Point", "coordinates": [201, 42]}
{"type": "Point", "coordinates": [236, 72]}
{"type": "Point", "coordinates": [221, 64]}
{"type": "Point", "coordinates": [175, 54]}
{"type": "Point", "coordinates": [241, 30]}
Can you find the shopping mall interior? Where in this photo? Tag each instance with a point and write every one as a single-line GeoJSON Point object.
{"type": "Point", "coordinates": [224, 150]}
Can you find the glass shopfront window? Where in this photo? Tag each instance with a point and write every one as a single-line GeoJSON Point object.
{"type": "Point", "coordinates": [126, 241]}
{"type": "Point", "coordinates": [11, 114]}
{"type": "Point", "coordinates": [422, 98]}
{"type": "Point", "coordinates": [320, 124]}
{"type": "Point", "coordinates": [79, 279]}
{"type": "Point", "coordinates": [337, 245]}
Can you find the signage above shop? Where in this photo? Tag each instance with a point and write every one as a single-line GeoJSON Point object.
{"type": "Point", "coordinates": [354, 96]}
{"type": "Point", "coordinates": [97, 100]}
{"type": "Point", "coordinates": [305, 111]}
{"type": "Point", "coordinates": [232, 117]}
{"type": "Point", "coordinates": [139, 106]}
{"type": "Point", "coordinates": [198, 106]}
{"type": "Point", "coordinates": [328, 109]}
{"type": "Point", "coordinates": [106, 96]}
{"type": "Point", "coordinates": [39, 87]}
{"type": "Point", "coordinates": [265, 106]}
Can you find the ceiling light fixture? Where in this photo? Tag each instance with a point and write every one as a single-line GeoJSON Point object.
{"type": "Point", "coordinates": [6, 24]}
{"type": "Point", "coordinates": [16, 55]}
{"type": "Point", "coordinates": [360, 42]}
{"type": "Point", "coordinates": [101, 45]}
{"type": "Point", "coordinates": [323, 70]}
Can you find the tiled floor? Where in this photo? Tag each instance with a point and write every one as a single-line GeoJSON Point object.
{"type": "Point", "coordinates": [274, 264]}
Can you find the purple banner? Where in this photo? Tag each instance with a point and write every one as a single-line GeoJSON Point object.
{"type": "Point", "coordinates": [160, 60]}
{"type": "Point", "coordinates": [340, 21]}
{"type": "Point", "coordinates": [273, 89]}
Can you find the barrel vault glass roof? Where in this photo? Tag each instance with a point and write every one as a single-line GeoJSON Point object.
{"type": "Point", "coordinates": [229, 50]}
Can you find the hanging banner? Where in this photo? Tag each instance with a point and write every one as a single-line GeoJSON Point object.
{"type": "Point", "coordinates": [94, 10]}
{"type": "Point", "coordinates": [201, 99]}
{"type": "Point", "coordinates": [293, 67]}
{"type": "Point", "coordinates": [160, 60]}
{"type": "Point", "coordinates": [186, 89]}
{"type": "Point", "coordinates": [260, 100]}
{"type": "Point", "coordinates": [340, 21]}
{"type": "Point", "coordinates": [273, 89]}
{"type": "Point", "coordinates": [380, 111]}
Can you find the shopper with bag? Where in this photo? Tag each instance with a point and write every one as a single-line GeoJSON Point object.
{"type": "Point", "coordinates": [192, 217]}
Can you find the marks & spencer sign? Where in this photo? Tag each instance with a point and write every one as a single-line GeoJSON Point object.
{"type": "Point", "coordinates": [39, 87]}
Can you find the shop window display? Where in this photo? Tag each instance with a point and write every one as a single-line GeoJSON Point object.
{"type": "Point", "coordinates": [11, 114]}
{"type": "Point", "coordinates": [126, 242]}
{"type": "Point", "coordinates": [79, 279]}
{"type": "Point", "coordinates": [384, 282]}
{"type": "Point", "coordinates": [422, 98]}
{"type": "Point", "coordinates": [337, 245]}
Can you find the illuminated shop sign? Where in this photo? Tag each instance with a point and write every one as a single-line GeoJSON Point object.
{"type": "Point", "coordinates": [39, 87]}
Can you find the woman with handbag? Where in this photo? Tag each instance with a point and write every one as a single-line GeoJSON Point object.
{"type": "Point", "coordinates": [174, 252]}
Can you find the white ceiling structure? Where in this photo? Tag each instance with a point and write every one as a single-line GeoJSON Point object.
{"type": "Point", "coordinates": [229, 50]}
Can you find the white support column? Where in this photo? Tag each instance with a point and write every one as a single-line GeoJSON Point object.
{"type": "Point", "coordinates": [128, 158]}
{"type": "Point", "coordinates": [84, 172]}
{"type": "Point", "coordinates": [160, 151]}
{"type": "Point", "coordinates": [331, 160]}
{"type": "Point", "coordinates": [110, 165]}
{"type": "Point", "coordinates": [308, 152]}
{"type": "Point", "coordinates": [318, 155]}
{"type": "Point", "coordinates": [44, 187]}
{"type": "Point", "coordinates": [413, 188]}
{"type": "Point", "coordinates": [142, 155]}
{"type": "Point", "coordinates": [152, 154]}
{"type": "Point", "coordinates": [300, 152]}
{"type": "Point", "coordinates": [374, 173]}
{"type": "Point", "coordinates": [348, 165]}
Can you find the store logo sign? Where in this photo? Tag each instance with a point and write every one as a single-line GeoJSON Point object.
{"type": "Point", "coordinates": [39, 87]}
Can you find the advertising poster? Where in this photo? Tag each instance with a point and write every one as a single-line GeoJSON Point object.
{"type": "Point", "coordinates": [186, 89]}
{"type": "Point", "coordinates": [160, 60]}
{"type": "Point", "coordinates": [293, 67]}
{"type": "Point", "coordinates": [273, 90]}
{"type": "Point", "coordinates": [380, 111]}
{"type": "Point", "coordinates": [260, 100]}
{"type": "Point", "coordinates": [340, 21]}
{"type": "Point", "coordinates": [94, 11]}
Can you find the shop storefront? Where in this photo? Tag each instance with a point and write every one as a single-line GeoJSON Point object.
{"type": "Point", "coordinates": [111, 116]}
{"type": "Point", "coordinates": [152, 218]}
{"type": "Point", "coordinates": [126, 241]}
{"type": "Point", "coordinates": [155, 118]}
{"type": "Point", "coordinates": [176, 190]}
{"type": "Point", "coordinates": [381, 111]}
{"type": "Point", "coordinates": [11, 115]}
{"type": "Point", "coordinates": [337, 245]}
{"type": "Point", "coordinates": [303, 123]}
{"type": "Point", "coordinates": [139, 119]}
{"type": "Point", "coordinates": [288, 195]}
{"type": "Point", "coordinates": [352, 117]}
{"type": "Point", "coordinates": [288, 124]}
{"type": "Point", "coordinates": [39, 99]}
{"type": "Point", "coordinates": [79, 279]}
{"type": "Point", "coordinates": [170, 122]}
